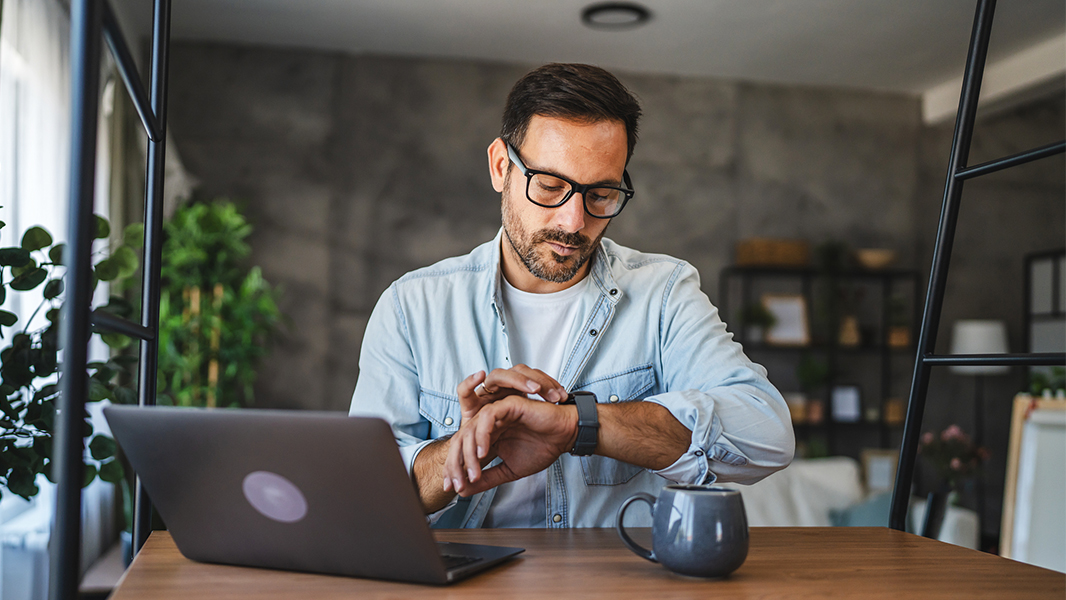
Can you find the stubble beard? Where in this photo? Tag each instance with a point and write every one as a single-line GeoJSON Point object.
{"type": "Point", "coordinates": [556, 268]}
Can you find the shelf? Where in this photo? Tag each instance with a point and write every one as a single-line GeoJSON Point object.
{"type": "Point", "coordinates": [810, 272]}
{"type": "Point", "coordinates": [763, 347]}
{"type": "Point", "coordinates": [844, 424]}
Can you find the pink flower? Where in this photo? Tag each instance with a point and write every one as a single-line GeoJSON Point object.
{"type": "Point", "coordinates": [956, 464]}
{"type": "Point", "coordinates": [927, 438]}
{"type": "Point", "coordinates": [953, 432]}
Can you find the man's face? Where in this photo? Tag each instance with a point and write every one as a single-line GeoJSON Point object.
{"type": "Point", "coordinates": [548, 249]}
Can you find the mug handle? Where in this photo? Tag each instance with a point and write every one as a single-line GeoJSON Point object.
{"type": "Point", "coordinates": [637, 549]}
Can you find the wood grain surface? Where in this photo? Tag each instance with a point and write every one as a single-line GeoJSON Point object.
{"type": "Point", "coordinates": [783, 562]}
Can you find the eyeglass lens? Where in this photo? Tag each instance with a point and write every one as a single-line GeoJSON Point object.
{"type": "Point", "coordinates": [547, 190]}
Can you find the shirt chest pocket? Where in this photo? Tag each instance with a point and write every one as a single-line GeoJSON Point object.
{"type": "Point", "coordinates": [441, 411]}
{"type": "Point", "coordinates": [626, 386]}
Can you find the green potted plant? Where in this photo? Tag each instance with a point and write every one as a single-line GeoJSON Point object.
{"type": "Point", "coordinates": [29, 364]}
{"type": "Point", "coordinates": [756, 320]}
{"type": "Point", "coordinates": [216, 315]}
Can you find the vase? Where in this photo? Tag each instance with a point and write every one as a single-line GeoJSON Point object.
{"type": "Point", "coordinates": [935, 506]}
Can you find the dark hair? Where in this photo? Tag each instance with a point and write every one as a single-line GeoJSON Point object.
{"type": "Point", "coordinates": [569, 91]}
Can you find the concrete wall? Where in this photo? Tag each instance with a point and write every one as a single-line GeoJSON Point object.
{"type": "Point", "coordinates": [356, 169]}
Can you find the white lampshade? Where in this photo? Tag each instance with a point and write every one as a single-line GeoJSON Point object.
{"type": "Point", "coordinates": [979, 336]}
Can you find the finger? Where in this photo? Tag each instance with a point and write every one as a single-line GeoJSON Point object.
{"type": "Point", "coordinates": [453, 464]}
{"type": "Point", "coordinates": [469, 401]}
{"type": "Point", "coordinates": [518, 380]}
{"type": "Point", "coordinates": [470, 458]}
{"type": "Point", "coordinates": [492, 477]}
{"type": "Point", "coordinates": [549, 389]}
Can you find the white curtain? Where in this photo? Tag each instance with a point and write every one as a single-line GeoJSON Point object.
{"type": "Point", "coordinates": [35, 133]}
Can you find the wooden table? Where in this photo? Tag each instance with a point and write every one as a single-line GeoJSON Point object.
{"type": "Point", "coordinates": [795, 562]}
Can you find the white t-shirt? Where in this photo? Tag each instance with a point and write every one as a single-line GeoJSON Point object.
{"type": "Point", "coordinates": [538, 326]}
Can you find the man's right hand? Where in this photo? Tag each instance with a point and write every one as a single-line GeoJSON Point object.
{"type": "Point", "coordinates": [480, 389]}
{"type": "Point", "coordinates": [475, 392]}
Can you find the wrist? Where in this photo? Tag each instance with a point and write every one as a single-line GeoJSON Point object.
{"type": "Point", "coordinates": [571, 425]}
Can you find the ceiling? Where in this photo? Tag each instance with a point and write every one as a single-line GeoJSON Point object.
{"type": "Point", "coordinates": [904, 46]}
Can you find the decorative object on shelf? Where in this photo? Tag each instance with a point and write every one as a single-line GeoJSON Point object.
{"type": "Point", "coordinates": [895, 411]}
{"type": "Point", "coordinates": [756, 320]}
{"type": "Point", "coordinates": [790, 320]}
{"type": "Point", "coordinates": [205, 285]}
{"type": "Point", "coordinates": [899, 328]}
{"type": "Point", "coordinates": [850, 336]}
{"type": "Point", "coordinates": [815, 411]}
{"type": "Point", "coordinates": [762, 252]}
{"type": "Point", "coordinates": [879, 466]}
{"type": "Point", "coordinates": [797, 406]}
{"type": "Point", "coordinates": [846, 401]}
{"type": "Point", "coordinates": [875, 258]}
{"type": "Point", "coordinates": [29, 364]}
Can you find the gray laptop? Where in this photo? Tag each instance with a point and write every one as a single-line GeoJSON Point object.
{"type": "Point", "coordinates": [293, 490]}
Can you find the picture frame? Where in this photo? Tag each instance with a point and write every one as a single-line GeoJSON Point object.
{"type": "Point", "coordinates": [790, 320]}
{"type": "Point", "coordinates": [879, 469]}
{"type": "Point", "coordinates": [845, 403]}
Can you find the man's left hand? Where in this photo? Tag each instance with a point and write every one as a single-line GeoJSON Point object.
{"type": "Point", "coordinates": [527, 435]}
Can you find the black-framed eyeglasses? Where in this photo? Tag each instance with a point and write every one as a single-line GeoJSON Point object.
{"type": "Point", "coordinates": [550, 190]}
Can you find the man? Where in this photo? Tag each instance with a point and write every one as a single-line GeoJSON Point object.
{"type": "Point", "coordinates": [471, 360]}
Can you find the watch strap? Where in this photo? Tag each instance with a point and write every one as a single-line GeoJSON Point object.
{"type": "Point", "coordinates": [588, 424]}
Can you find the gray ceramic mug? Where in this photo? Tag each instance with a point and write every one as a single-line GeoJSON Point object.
{"type": "Point", "coordinates": [696, 530]}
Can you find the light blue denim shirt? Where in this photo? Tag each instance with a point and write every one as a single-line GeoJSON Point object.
{"type": "Point", "coordinates": [646, 333]}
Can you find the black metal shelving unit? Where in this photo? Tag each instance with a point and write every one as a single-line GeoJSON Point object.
{"type": "Point", "coordinates": [91, 22]}
{"type": "Point", "coordinates": [888, 282]}
{"type": "Point", "coordinates": [957, 174]}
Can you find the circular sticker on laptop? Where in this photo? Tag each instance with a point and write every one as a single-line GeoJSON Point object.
{"type": "Point", "coordinates": [274, 496]}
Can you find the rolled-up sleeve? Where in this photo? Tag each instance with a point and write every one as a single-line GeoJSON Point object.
{"type": "Point", "coordinates": [741, 429]}
{"type": "Point", "coordinates": [387, 386]}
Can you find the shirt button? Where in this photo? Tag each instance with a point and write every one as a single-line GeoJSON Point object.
{"type": "Point", "coordinates": [557, 518]}
{"type": "Point", "coordinates": [614, 292]}
{"type": "Point", "coordinates": [448, 421]}
{"type": "Point", "coordinates": [593, 332]}
{"type": "Point", "coordinates": [699, 453]}
{"type": "Point", "coordinates": [613, 398]}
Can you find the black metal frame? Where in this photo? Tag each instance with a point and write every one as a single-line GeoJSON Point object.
{"type": "Point", "coordinates": [92, 20]}
{"type": "Point", "coordinates": [957, 174]}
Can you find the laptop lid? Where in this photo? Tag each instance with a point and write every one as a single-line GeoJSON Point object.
{"type": "Point", "coordinates": [293, 490]}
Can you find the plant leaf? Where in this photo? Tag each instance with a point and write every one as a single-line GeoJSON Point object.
{"type": "Point", "coordinates": [56, 253]}
{"type": "Point", "coordinates": [98, 391]}
{"type": "Point", "coordinates": [126, 259]}
{"type": "Point", "coordinates": [36, 238]}
{"type": "Point", "coordinates": [101, 228]}
{"type": "Point", "coordinates": [133, 235]}
{"type": "Point", "coordinates": [115, 341]}
{"type": "Point", "coordinates": [29, 280]}
{"type": "Point", "coordinates": [90, 474]}
{"type": "Point", "coordinates": [112, 471]}
{"type": "Point", "coordinates": [53, 288]}
{"type": "Point", "coordinates": [124, 395]}
{"type": "Point", "coordinates": [20, 482]}
{"type": "Point", "coordinates": [107, 270]}
{"type": "Point", "coordinates": [14, 257]}
{"type": "Point", "coordinates": [102, 447]}
{"type": "Point", "coordinates": [7, 319]}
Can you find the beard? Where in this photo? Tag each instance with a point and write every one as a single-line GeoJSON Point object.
{"type": "Point", "coordinates": [551, 267]}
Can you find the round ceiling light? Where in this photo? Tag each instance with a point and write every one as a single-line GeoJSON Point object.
{"type": "Point", "coordinates": [615, 15]}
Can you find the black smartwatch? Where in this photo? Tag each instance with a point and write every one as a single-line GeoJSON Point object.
{"type": "Point", "coordinates": [588, 423]}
